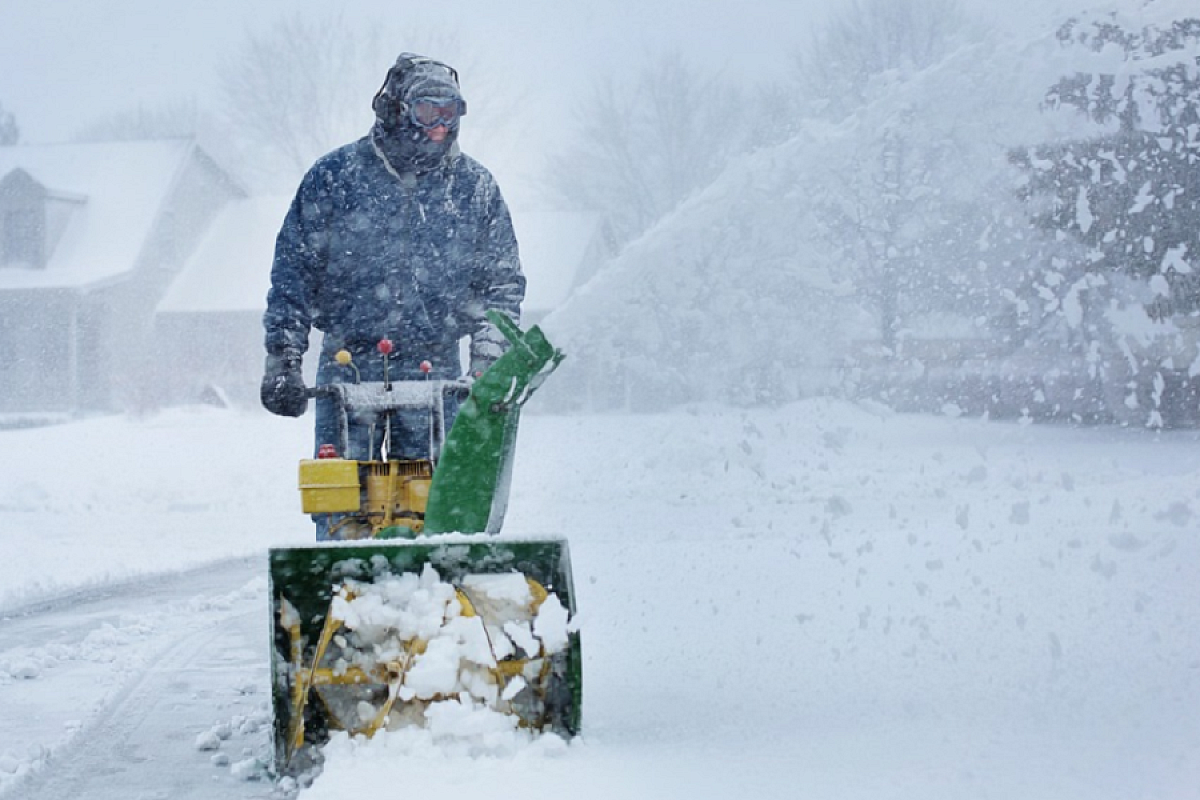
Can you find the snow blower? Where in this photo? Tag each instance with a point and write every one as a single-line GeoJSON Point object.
{"type": "Point", "coordinates": [420, 610]}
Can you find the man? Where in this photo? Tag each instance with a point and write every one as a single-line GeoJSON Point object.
{"type": "Point", "coordinates": [396, 236]}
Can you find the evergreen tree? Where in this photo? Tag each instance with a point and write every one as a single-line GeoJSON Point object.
{"type": "Point", "coordinates": [1131, 197]}
{"type": "Point", "coordinates": [1128, 198]}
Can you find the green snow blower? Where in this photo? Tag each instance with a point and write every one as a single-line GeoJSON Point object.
{"type": "Point", "coordinates": [420, 610]}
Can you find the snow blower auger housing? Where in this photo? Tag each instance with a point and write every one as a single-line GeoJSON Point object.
{"type": "Point", "coordinates": [427, 613]}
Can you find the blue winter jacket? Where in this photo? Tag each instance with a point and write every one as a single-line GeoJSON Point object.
{"type": "Point", "coordinates": [366, 253]}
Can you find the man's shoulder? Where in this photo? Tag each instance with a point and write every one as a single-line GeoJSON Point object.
{"type": "Point", "coordinates": [466, 165]}
{"type": "Point", "coordinates": [347, 156]}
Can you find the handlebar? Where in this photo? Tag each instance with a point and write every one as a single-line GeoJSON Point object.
{"type": "Point", "coordinates": [379, 399]}
{"type": "Point", "coordinates": [377, 396]}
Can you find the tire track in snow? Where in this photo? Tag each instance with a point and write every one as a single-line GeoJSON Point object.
{"type": "Point", "coordinates": [206, 662]}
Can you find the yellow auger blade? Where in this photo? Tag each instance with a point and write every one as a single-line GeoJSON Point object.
{"type": "Point", "coordinates": [295, 739]}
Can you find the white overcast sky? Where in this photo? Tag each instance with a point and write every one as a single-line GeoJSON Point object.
{"type": "Point", "coordinates": [64, 63]}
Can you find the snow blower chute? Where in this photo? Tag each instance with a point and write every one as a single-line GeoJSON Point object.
{"type": "Point", "coordinates": [427, 612]}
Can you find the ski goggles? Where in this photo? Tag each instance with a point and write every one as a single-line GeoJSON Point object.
{"type": "Point", "coordinates": [429, 112]}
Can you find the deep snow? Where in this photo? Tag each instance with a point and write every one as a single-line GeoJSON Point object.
{"type": "Point", "coordinates": [820, 601]}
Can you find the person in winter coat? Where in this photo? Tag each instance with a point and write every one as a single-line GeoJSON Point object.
{"type": "Point", "coordinates": [398, 235]}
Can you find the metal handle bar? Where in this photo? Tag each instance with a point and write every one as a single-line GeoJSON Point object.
{"type": "Point", "coordinates": [377, 396]}
{"type": "Point", "coordinates": [375, 399]}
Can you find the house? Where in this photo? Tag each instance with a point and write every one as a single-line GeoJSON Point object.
{"type": "Point", "coordinates": [91, 237]}
{"type": "Point", "coordinates": [208, 326]}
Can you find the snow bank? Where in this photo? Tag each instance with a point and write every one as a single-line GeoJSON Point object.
{"type": "Point", "coordinates": [820, 600]}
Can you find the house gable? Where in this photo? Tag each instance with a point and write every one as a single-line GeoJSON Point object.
{"type": "Point", "coordinates": [22, 221]}
{"type": "Point", "coordinates": [32, 219]}
{"type": "Point", "coordinates": [82, 273]}
{"type": "Point", "coordinates": [107, 208]}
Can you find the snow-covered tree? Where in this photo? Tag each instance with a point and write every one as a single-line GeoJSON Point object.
{"type": "Point", "coordinates": [10, 134]}
{"type": "Point", "coordinates": [1132, 197]}
{"type": "Point", "coordinates": [1128, 198]}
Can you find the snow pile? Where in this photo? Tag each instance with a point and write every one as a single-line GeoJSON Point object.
{"type": "Point", "coordinates": [15, 765]}
{"type": "Point", "coordinates": [103, 644]}
{"type": "Point", "coordinates": [936, 607]}
{"type": "Point", "coordinates": [464, 738]}
{"type": "Point", "coordinates": [447, 643]}
{"type": "Point", "coordinates": [141, 495]}
{"type": "Point", "coordinates": [240, 745]}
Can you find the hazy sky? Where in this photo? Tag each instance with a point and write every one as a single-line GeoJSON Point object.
{"type": "Point", "coordinates": [64, 63]}
{"type": "Point", "coordinates": [67, 63]}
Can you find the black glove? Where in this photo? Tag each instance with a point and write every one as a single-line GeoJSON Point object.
{"type": "Point", "coordinates": [487, 345]}
{"type": "Point", "coordinates": [283, 391]}
{"type": "Point", "coordinates": [479, 366]}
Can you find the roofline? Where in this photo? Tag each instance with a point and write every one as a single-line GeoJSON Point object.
{"type": "Point", "coordinates": [228, 179]}
{"type": "Point", "coordinates": [192, 149]}
{"type": "Point", "coordinates": [67, 197]}
{"type": "Point", "coordinates": [159, 211]}
{"type": "Point", "coordinates": [106, 282]}
{"type": "Point", "coordinates": [77, 291]}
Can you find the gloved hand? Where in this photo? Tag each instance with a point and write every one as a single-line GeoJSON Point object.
{"type": "Point", "coordinates": [283, 391]}
{"type": "Point", "coordinates": [485, 349]}
{"type": "Point", "coordinates": [479, 366]}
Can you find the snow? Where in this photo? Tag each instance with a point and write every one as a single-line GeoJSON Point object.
{"type": "Point", "coordinates": [554, 251]}
{"type": "Point", "coordinates": [463, 637]}
{"type": "Point", "coordinates": [822, 600]}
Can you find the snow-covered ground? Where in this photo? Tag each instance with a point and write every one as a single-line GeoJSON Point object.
{"type": "Point", "coordinates": [821, 601]}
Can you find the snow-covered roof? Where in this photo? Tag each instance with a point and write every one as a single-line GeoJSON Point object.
{"type": "Point", "coordinates": [231, 268]}
{"type": "Point", "coordinates": [121, 187]}
{"type": "Point", "coordinates": [553, 246]}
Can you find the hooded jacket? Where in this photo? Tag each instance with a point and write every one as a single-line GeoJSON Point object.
{"type": "Point", "coordinates": [390, 238]}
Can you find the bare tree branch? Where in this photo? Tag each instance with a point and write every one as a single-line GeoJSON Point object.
{"type": "Point", "coordinates": [641, 148]}
{"type": "Point", "coordinates": [180, 118]}
{"type": "Point", "coordinates": [868, 38]}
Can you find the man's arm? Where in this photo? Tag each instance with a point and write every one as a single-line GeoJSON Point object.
{"type": "Point", "coordinates": [295, 273]}
{"type": "Point", "coordinates": [499, 284]}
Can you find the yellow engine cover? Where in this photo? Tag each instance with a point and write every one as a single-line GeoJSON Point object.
{"type": "Point", "coordinates": [398, 491]}
{"type": "Point", "coordinates": [329, 485]}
